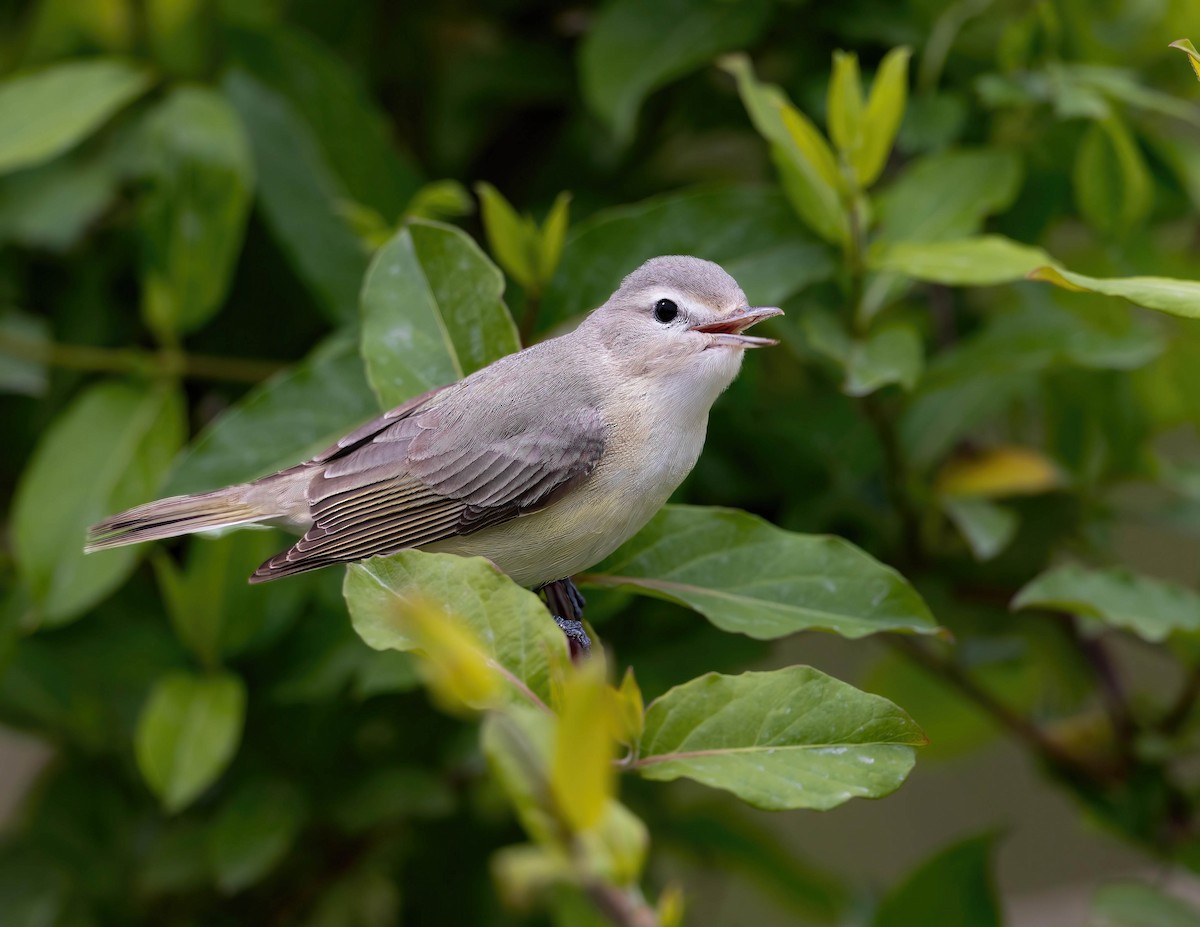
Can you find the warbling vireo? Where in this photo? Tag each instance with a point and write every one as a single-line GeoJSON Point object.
{"type": "Point", "coordinates": [544, 462]}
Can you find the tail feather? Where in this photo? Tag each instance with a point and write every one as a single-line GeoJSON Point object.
{"type": "Point", "coordinates": [168, 518]}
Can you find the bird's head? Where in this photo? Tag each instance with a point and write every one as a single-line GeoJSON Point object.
{"type": "Point", "coordinates": [679, 320]}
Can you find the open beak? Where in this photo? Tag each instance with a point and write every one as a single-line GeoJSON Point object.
{"type": "Point", "coordinates": [728, 331]}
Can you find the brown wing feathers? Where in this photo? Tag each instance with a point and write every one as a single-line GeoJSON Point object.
{"type": "Point", "coordinates": [419, 475]}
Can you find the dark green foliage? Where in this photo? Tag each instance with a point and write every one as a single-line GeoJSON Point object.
{"type": "Point", "coordinates": [230, 231]}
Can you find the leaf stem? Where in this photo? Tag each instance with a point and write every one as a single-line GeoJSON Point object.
{"type": "Point", "coordinates": [163, 363]}
{"type": "Point", "coordinates": [533, 306]}
{"type": "Point", "coordinates": [624, 908]}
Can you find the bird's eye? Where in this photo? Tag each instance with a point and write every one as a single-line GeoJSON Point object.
{"type": "Point", "coordinates": [665, 311]}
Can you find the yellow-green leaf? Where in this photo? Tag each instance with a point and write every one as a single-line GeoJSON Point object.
{"type": "Point", "coordinates": [630, 709]}
{"type": "Point", "coordinates": [985, 260]}
{"type": "Point", "coordinates": [1001, 471]}
{"type": "Point", "coordinates": [1113, 186]}
{"type": "Point", "coordinates": [553, 236]}
{"type": "Point", "coordinates": [881, 121]}
{"type": "Point", "coordinates": [512, 238]}
{"type": "Point", "coordinates": [1178, 297]}
{"type": "Point", "coordinates": [1186, 46]}
{"type": "Point", "coordinates": [845, 104]}
{"type": "Point", "coordinates": [582, 770]}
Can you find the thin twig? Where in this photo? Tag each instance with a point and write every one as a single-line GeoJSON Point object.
{"type": "Point", "coordinates": [623, 908]}
{"type": "Point", "coordinates": [132, 360]}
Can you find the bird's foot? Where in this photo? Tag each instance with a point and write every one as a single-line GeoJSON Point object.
{"type": "Point", "coordinates": [563, 598]}
{"type": "Point", "coordinates": [578, 641]}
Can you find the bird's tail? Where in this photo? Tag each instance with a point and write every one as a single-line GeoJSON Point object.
{"type": "Point", "coordinates": [167, 518]}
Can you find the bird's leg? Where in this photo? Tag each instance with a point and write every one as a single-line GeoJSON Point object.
{"type": "Point", "coordinates": [566, 603]}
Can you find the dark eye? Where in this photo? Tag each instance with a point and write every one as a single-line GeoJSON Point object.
{"type": "Point", "coordinates": [665, 311]}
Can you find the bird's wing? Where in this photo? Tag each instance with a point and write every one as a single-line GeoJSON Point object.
{"type": "Point", "coordinates": [431, 470]}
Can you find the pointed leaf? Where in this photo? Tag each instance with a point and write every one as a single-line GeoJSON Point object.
{"type": "Point", "coordinates": [885, 110]}
{"type": "Point", "coordinates": [554, 236]}
{"type": "Point", "coordinates": [1113, 186]}
{"type": "Point", "coordinates": [954, 887]}
{"type": "Point", "coordinates": [1185, 46]}
{"type": "Point", "coordinates": [845, 105]}
{"type": "Point", "coordinates": [299, 196]}
{"type": "Point", "coordinates": [581, 771]}
{"type": "Point", "coordinates": [194, 212]}
{"type": "Point", "coordinates": [510, 623]}
{"type": "Point", "coordinates": [982, 261]}
{"type": "Point", "coordinates": [432, 312]}
{"type": "Point", "coordinates": [987, 527]}
{"type": "Point", "coordinates": [188, 733]}
{"type": "Point", "coordinates": [633, 48]}
{"type": "Point", "coordinates": [281, 422]}
{"type": "Point", "coordinates": [792, 738]}
{"type": "Point", "coordinates": [511, 238]}
{"type": "Point", "coordinates": [745, 575]}
{"type": "Point", "coordinates": [108, 451]}
{"type": "Point", "coordinates": [1152, 609]}
{"type": "Point", "coordinates": [1178, 297]}
{"type": "Point", "coordinates": [46, 112]}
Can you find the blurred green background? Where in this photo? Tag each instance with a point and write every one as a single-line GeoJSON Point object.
{"type": "Point", "coordinates": [190, 195]}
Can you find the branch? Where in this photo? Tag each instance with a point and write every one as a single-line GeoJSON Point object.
{"type": "Point", "coordinates": [623, 908]}
{"type": "Point", "coordinates": [131, 360]}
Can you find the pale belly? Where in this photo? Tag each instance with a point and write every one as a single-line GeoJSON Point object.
{"type": "Point", "coordinates": [583, 528]}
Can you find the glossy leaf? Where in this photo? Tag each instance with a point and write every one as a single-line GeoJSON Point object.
{"type": "Point", "coordinates": [881, 121]}
{"type": "Point", "coordinates": [194, 212]}
{"type": "Point", "coordinates": [632, 49]}
{"type": "Point", "coordinates": [281, 422]}
{"type": "Point", "coordinates": [510, 623]}
{"type": "Point", "coordinates": [299, 197]}
{"type": "Point", "coordinates": [749, 231]}
{"type": "Point", "coordinates": [792, 738]}
{"type": "Point", "coordinates": [108, 451]}
{"type": "Point", "coordinates": [1134, 904]}
{"type": "Point", "coordinates": [1113, 187]}
{"type": "Point", "coordinates": [890, 354]}
{"type": "Point", "coordinates": [983, 261]}
{"type": "Point", "coordinates": [987, 527]}
{"type": "Point", "coordinates": [808, 169]}
{"type": "Point", "coordinates": [188, 733]}
{"type": "Point", "coordinates": [432, 312]}
{"type": "Point", "coordinates": [954, 887]}
{"type": "Point", "coordinates": [1151, 608]}
{"type": "Point", "coordinates": [253, 831]}
{"type": "Point", "coordinates": [1178, 297]}
{"type": "Point", "coordinates": [46, 112]}
{"type": "Point", "coordinates": [745, 575]}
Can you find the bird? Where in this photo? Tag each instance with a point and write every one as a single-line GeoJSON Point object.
{"type": "Point", "coordinates": [544, 462]}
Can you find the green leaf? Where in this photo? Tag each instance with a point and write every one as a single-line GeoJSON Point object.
{"type": "Point", "coordinates": [510, 623]}
{"type": "Point", "coordinates": [750, 231]}
{"type": "Point", "coordinates": [512, 238]}
{"type": "Point", "coordinates": [1132, 904]}
{"type": "Point", "coordinates": [845, 105]}
{"type": "Point", "coordinates": [885, 110]}
{"type": "Point", "coordinates": [214, 610]}
{"type": "Point", "coordinates": [194, 213]}
{"type": "Point", "coordinates": [355, 135]}
{"type": "Point", "coordinates": [253, 831]}
{"type": "Point", "coordinates": [1185, 46]}
{"type": "Point", "coordinates": [808, 169]}
{"type": "Point", "coordinates": [432, 312]}
{"type": "Point", "coordinates": [554, 236]}
{"type": "Point", "coordinates": [519, 744]}
{"type": "Point", "coordinates": [52, 205]}
{"type": "Point", "coordinates": [1152, 609]}
{"type": "Point", "coordinates": [983, 261]}
{"type": "Point", "coordinates": [890, 354]}
{"type": "Point", "coordinates": [745, 575]}
{"type": "Point", "coordinates": [632, 49]}
{"type": "Point", "coordinates": [1178, 297]}
{"type": "Point", "coordinates": [281, 422]}
{"type": "Point", "coordinates": [299, 196]}
{"type": "Point", "coordinates": [33, 891]}
{"type": "Point", "coordinates": [954, 887]}
{"type": "Point", "coordinates": [46, 112]}
{"type": "Point", "coordinates": [108, 451]}
{"type": "Point", "coordinates": [188, 733]}
{"type": "Point", "coordinates": [987, 527]}
{"type": "Point", "coordinates": [1113, 187]}
{"type": "Point", "coordinates": [792, 738]}
{"type": "Point", "coordinates": [18, 373]}
{"type": "Point", "coordinates": [947, 195]}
